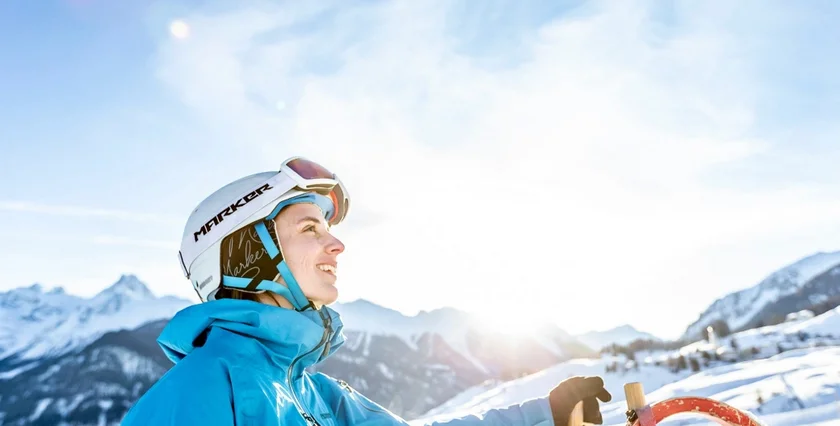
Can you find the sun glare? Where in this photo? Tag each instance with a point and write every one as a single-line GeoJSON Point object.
{"type": "Point", "coordinates": [179, 29]}
{"type": "Point", "coordinates": [510, 323]}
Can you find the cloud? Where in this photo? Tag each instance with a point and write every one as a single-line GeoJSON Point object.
{"type": "Point", "coordinates": [579, 161]}
{"type": "Point", "coordinates": [84, 212]}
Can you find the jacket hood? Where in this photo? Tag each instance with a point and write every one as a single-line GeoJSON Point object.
{"type": "Point", "coordinates": [285, 333]}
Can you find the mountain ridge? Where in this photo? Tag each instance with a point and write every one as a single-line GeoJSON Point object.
{"type": "Point", "coordinates": [738, 308]}
{"type": "Point", "coordinates": [620, 335]}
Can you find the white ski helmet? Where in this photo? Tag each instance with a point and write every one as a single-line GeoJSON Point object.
{"type": "Point", "coordinates": [242, 209]}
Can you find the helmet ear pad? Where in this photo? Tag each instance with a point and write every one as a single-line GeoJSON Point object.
{"type": "Point", "coordinates": [243, 255]}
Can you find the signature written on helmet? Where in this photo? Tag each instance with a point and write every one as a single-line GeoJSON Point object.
{"type": "Point", "coordinates": [231, 209]}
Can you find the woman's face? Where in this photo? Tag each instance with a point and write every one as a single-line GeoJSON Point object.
{"type": "Point", "coordinates": [310, 251]}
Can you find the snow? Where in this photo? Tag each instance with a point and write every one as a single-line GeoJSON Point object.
{"type": "Point", "coordinates": [792, 381]}
{"type": "Point", "coordinates": [14, 372]}
{"type": "Point", "coordinates": [39, 409]}
{"type": "Point", "coordinates": [50, 371]}
{"type": "Point", "coordinates": [812, 266]}
{"type": "Point", "coordinates": [823, 415]}
{"type": "Point", "coordinates": [385, 371]}
{"type": "Point", "coordinates": [37, 323]}
{"type": "Point", "coordinates": [105, 405]}
{"type": "Point", "coordinates": [799, 387]}
{"type": "Point", "coordinates": [136, 366]}
{"type": "Point", "coordinates": [825, 324]}
{"type": "Point", "coordinates": [480, 398]}
{"type": "Point", "coordinates": [64, 408]}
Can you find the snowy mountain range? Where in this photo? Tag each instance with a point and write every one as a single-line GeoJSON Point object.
{"type": "Point", "coordinates": [744, 309]}
{"type": "Point", "coordinates": [93, 385]}
{"type": "Point", "coordinates": [36, 324]}
{"type": "Point", "coordinates": [85, 361]}
{"type": "Point", "coordinates": [621, 335]}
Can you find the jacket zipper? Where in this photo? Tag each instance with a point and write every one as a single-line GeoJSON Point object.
{"type": "Point", "coordinates": [324, 339]}
{"type": "Point", "coordinates": [350, 390]}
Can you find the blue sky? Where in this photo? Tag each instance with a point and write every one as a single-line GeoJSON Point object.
{"type": "Point", "coordinates": [577, 155]}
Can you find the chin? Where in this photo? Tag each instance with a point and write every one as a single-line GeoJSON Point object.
{"type": "Point", "coordinates": [328, 295]}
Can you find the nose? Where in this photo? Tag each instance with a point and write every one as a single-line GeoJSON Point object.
{"type": "Point", "coordinates": [334, 246]}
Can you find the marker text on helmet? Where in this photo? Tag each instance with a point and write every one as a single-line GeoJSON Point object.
{"type": "Point", "coordinates": [229, 210]}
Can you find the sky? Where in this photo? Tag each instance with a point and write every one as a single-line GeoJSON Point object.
{"type": "Point", "coordinates": [587, 163]}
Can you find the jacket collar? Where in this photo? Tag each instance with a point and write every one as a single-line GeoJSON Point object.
{"type": "Point", "coordinates": [285, 334]}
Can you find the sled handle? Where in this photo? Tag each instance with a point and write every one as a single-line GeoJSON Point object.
{"type": "Point", "coordinates": [576, 418]}
{"type": "Point", "coordinates": [634, 393]}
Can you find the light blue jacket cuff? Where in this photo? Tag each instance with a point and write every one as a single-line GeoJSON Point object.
{"type": "Point", "coordinates": [534, 412]}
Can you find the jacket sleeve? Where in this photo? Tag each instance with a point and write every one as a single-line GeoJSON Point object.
{"type": "Point", "coordinates": [534, 412]}
{"type": "Point", "coordinates": [203, 400]}
{"type": "Point", "coordinates": [351, 407]}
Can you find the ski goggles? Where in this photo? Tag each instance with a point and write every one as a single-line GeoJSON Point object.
{"type": "Point", "coordinates": [311, 176]}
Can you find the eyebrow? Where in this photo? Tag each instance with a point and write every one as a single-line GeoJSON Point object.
{"type": "Point", "coordinates": [309, 219]}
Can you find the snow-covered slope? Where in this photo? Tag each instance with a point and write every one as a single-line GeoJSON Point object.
{"type": "Point", "coordinates": [798, 380]}
{"type": "Point", "coordinates": [35, 323]}
{"type": "Point", "coordinates": [827, 324]}
{"type": "Point", "coordinates": [738, 308]}
{"type": "Point", "coordinates": [800, 387]}
{"type": "Point", "coordinates": [490, 395]}
{"type": "Point", "coordinates": [621, 335]}
{"type": "Point", "coordinates": [820, 330]}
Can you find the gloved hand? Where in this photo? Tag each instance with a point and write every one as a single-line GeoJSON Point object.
{"type": "Point", "coordinates": [569, 392]}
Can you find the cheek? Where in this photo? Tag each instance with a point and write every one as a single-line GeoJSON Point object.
{"type": "Point", "coordinates": [300, 255]}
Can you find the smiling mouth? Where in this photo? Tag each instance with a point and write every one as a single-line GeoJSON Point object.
{"type": "Point", "coordinates": [327, 268]}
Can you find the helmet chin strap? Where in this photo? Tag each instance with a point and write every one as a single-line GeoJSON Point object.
{"type": "Point", "coordinates": [292, 291]}
{"type": "Point", "coordinates": [273, 297]}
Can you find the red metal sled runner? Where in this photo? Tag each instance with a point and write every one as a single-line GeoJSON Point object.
{"type": "Point", "coordinates": [640, 413]}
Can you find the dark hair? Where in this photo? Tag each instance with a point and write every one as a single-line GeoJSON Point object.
{"type": "Point", "coordinates": [229, 293]}
{"type": "Point", "coordinates": [244, 256]}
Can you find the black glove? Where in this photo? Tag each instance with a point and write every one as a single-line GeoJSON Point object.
{"type": "Point", "coordinates": [569, 392]}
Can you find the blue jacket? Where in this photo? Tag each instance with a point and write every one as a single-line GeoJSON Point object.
{"type": "Point", "coordinates": [239, 362]}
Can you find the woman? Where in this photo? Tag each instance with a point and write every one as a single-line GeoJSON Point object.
{"type": "Point", "coordinates": [260, 255]}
